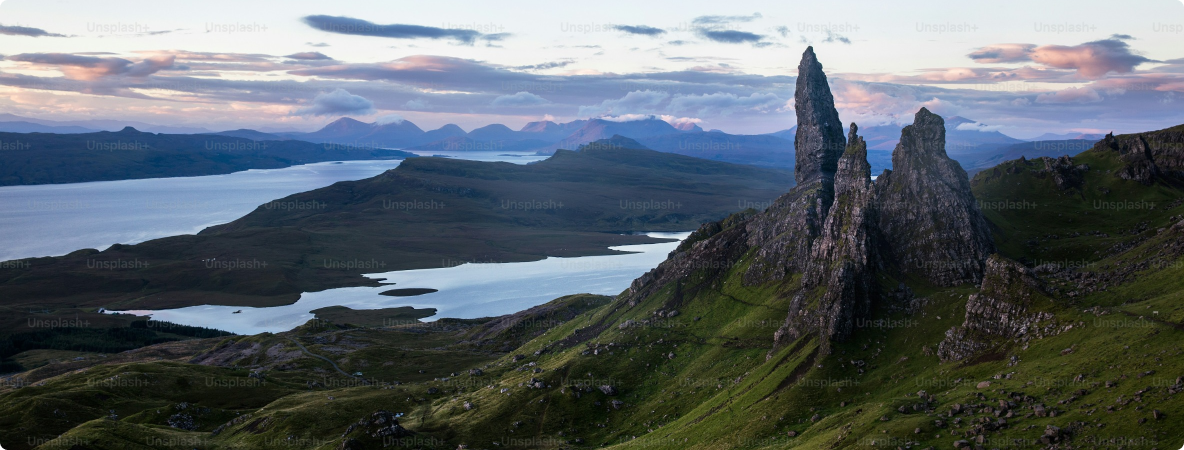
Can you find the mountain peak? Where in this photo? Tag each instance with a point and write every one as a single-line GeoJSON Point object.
{"type": "Point", "coordinates": [452, 127]}
{"type": "Point", "coordinates": [539, 126]}
{"type": "Point", "coordinates": [346, 121]}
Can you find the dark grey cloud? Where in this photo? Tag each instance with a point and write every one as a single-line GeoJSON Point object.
{"type": "Point", "coordinates": [720, 20]}
{"type": "Point", "coordinates": [1002, 53]}
{"type": "Point", "coordinates": [359, 27]}
{"type": "Point", "coordinates": [12, 30]}
{"type": "Point", "coordinates": [309, 56]}
{"type": "Point", "coordinates": [640, 30]}
{"type": "Point", "coordinates": [730, 36]}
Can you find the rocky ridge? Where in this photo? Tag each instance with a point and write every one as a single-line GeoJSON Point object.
{"type": "Point", "coordinates": [837, 228]}
{"type": "Point", "coordinates": [1149, 155]}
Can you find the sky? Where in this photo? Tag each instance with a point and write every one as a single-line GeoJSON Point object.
{"type": "Point", "coordinates": [1020, 67]}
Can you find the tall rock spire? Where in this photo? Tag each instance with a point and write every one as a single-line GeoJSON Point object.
{"type": "Point", "coordinates": [819, 141]}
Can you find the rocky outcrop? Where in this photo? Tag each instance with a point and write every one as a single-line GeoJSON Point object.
{"type": "Point", "coordinates": [819, 140]}
{"type": "Point", "coordinates": [931, 224]}
{"type": "Point", "coordinates": [1064, 172]}
{"type": "Point", "coordinates": [381, 425]}
{"type": "Point", "coordinates": [999, 312]}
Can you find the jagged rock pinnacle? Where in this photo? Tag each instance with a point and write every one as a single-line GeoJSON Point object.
{"type": "Point", "coordinates": [930, 220]}
{"type": "Point", "coordinates": [819, 141]}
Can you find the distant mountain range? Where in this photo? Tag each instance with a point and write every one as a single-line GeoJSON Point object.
{"type": "Point", "coordinates": [1067, 137]}
{"type": "Point", "coordinates": [966, 140]}
{"type": "Point", "coordinates": [91, 126]}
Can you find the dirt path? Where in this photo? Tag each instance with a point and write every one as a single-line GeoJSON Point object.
{"type": "Point", "coordinates": [314, 355]}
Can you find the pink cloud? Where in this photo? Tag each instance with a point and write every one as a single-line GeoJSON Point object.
{"type": "Point", "coordinates": [1091, 60]}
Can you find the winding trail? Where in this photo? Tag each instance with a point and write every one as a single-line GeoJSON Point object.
{"type": "Point", "coordinates": [314, 355]}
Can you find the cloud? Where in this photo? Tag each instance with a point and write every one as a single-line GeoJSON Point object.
{"type": "Point", "coordinates": [1091, 60]}
{"type": "Point", "coordinates": [635, 102]}
{"type": "Point", "coordinates": [520, 99]}
{"type": "Point", "coordinates": [976, 126]}
{"type": "Point", "coordinates": [12, 30]}
{"type": "Point", "coordinates": [724, 103]}
{"type": "Point", "coordinates": [545, 66]}
{"type": "Point", "coordinates": [682, 123]}
{"type": "Point", "coordinates": [729, 36]}
{"type": "Point", "coordinates": [1070, 95]}
{"type": "Point", "coordinates": [337, 103]}
{"type": "Point", "coordinates": [389, 119]}
{"type": "Point", "coordinates": [309, 56]}
{"type": "Point", "coordinates": [81, 67]}
{"type": "Point", "coordinates": [359, 27]}
{"type": "Point", "coordinates": [835, 37]}
{"type": "Point", "coordinates": [720, 20]}
{"type": "Point", "coordinates": [415, 104]}
{"type": "Point", "coordinates": [640, 29]}
{"type": "Point", "coordinates": [316, 44]}
{"type": "Point", "coordinates": [782, 30]}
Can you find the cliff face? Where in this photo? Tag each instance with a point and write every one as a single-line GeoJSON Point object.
{"type": "Point", "coordinates": [931, 223]}
{"type": "Point", "coordinates": [826, 240]}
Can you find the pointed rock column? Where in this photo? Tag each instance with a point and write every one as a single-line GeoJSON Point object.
{"type": "Point", "coordinates": [787, 230]}
{"type": "Point", "coordinates": [819, 140]}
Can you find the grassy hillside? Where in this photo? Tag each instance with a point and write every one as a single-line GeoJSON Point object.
{"type": "Point", "coordinates": [693, 366]}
